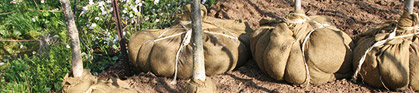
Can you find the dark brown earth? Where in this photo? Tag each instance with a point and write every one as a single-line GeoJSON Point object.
{"type": "Point", "coordinates": [351, 16]}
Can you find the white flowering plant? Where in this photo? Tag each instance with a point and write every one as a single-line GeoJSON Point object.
{"type": "Point", "coordinates": [97, 26]}
{"type": "Point", "coordinates": [23, 22]}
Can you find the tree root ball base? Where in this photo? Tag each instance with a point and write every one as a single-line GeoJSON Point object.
{"type": "Point", "coordinates": [197, 86]}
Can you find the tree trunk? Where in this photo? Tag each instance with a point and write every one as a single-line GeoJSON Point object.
{"type": "Point", "coordinates": [408, 6]}
{"type": "Point", "coordinates": [77, 63]}
{"type": "Point", "coordinates": [198, 82]}
{"type": "Point", "coordinates": [297, 5]}
{"type": "Point", "coordinates": [198, 53]}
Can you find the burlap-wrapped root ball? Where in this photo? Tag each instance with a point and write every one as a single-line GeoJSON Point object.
{"type": "Point", "coordinates": [225, 43]}
{"type": "Point", "coordinates": [326, 53]}
{"type": "Point", "coordinates": [389, 54]}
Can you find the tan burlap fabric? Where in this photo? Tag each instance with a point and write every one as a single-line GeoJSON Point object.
{"type": "Point", "coordinates": [393, 63]}
{"type": "Point", "coordinates": [197, 86]}
{"type": "Point", "coordinates": [277, 49]}
{"type": "Point", "coordinates": [225, 42]}
{"type": "Point", "coordinates": [88, 83]}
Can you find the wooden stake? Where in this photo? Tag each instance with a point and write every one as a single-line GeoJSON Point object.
{"type": "Point", "coordinates": [120, 34]}
{"type": "Point", "coordinates": [76, 60]}
{"type": "Point", "coordinates": [198, 52]}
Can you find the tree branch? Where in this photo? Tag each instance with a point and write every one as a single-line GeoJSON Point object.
{"type": "Point", "coordinates": [53, 11]}
{"type": "Point", "coordinates": [18, 40]}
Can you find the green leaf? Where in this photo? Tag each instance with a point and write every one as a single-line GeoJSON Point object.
{"type": "Point", "coordinates": [16, 33]}
{"type": "Point", "coordinates": [3, 31]}
{"type": "Point", "coordinates": [114, 58]}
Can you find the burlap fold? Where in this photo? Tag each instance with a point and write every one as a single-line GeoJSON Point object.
{"type": "Point", "coordinates": [88, 83]}
{"type": "Point", "coordinates": [277, 49]}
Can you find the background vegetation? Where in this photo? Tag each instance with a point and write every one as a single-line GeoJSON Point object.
{"type": "Point", "coordinates": [34, 48]}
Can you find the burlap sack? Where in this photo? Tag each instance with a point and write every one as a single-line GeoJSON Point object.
{"type": "Point", "coordinates": [392, 62]}
{"type": "Point", "coordinates": [277, 49]}
{"type": "Point", "coordinates": [225, 44]}
{"type": "Point", "coordinates": [88, 83]}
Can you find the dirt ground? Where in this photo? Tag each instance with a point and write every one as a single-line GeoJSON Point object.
{"type": "Point", "coordinates": [351, 16]}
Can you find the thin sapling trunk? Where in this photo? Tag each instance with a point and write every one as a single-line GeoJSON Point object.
{"type": "Point", "coordinates": [77, 63]}
{"type": "Point", "coordinates": [297, 5]}
{"type": "Point", "coordinates": [408, 6]}
{"type": "Point", "coordinates": [198, 53]}
{"type": "Point", "coordinates": [198, 83]}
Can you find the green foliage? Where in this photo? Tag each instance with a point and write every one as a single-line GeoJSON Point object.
{"type": "Point", "coordinates": [23, 68]}
{"type": "Point", "coordinates": [26, 21]}
{"type": "Point", "coordinates": [97, 26]}
{"type": "Point", "coordinates": [36, 74]}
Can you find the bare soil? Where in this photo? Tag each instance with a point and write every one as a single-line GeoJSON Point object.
{"type": "Point", "coordinates": [351, 16]}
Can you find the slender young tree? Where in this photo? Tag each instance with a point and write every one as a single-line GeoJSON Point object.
{"type": "Point", "coordinates": [77, 63]}
{"type": "Point", "coordinates": [198, 83]}
{"type": "Point", "coordinates": [198, 53]}
{"type": "Point", "coordinates": [408, 5]}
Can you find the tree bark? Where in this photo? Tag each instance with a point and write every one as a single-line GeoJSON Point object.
{"type": "Point", "coordinates": [408, 6]}
{"type": "Point", "coordinates": [198, 53]}
{"type": "Point", "coordinates": [297, 5]}
{"type": "Point", "coordinates": [198, 83]}
{"type": "Point", "coordinates": [76, 60]}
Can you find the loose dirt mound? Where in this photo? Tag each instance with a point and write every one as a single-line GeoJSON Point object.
{"type": "Point", "coordinates": [351, 16]}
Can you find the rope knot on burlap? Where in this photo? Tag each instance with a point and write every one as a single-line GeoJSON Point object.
{"type": "Point", "coordinates": [295, 17]}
